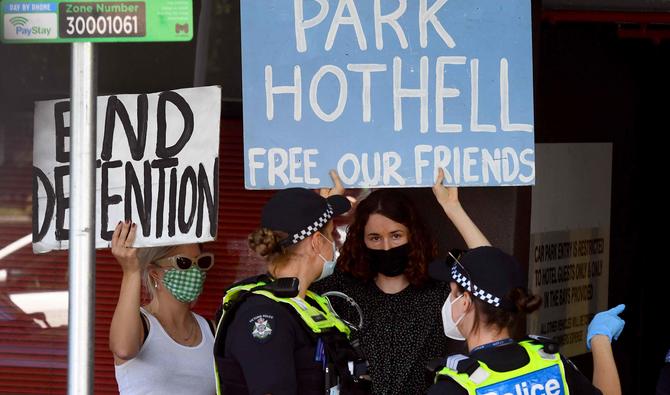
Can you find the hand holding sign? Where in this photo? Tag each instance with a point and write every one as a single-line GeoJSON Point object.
{"type": "Point", "coordinates": [446, 196]}
{"type": "Point", "coordinates": [122, 247]}
{"type": "Point", "coordinates": [337, 189]}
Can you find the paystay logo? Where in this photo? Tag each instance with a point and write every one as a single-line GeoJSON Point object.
{"type": "Point", "coordinates": [30, 26]}
{"type": "Point", "coordinates": [18, 20]}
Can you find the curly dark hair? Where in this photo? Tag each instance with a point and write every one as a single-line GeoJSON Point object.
{"type": "Point", "coordinates": [396, 206]}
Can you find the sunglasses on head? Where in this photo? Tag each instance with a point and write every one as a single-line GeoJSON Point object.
{"type": "Point", "coordinates": [203, 261]}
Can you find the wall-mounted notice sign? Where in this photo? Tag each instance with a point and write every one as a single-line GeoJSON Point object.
{"type": "Point", "coordinates": [60, 21]}
{"type": "Point", "coordinates": [570, 271]}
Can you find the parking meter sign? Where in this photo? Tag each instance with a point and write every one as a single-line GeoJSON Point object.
{"type": "Point", "coordinates": [62, 21]}
{"type": "Point", "coordinates": [122, 19]}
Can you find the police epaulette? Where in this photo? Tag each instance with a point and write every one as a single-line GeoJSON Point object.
{"type": "Point", "coordinates": [470, 366]}
{"type": "Point", "coordinates": [458, 362]}
{"type": "Point", "coordinates": [462, 364]}
{"type": "Point", "coordinates": [549, 345]}
{"type": "Point", "coordinates": [262, 278]}
{"type": "Point", "coordinates": [251, 280]}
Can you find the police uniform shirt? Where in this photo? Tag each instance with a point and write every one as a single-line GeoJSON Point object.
{"type": "Point", "coordinates": [509, 357]}
{"type": "Point", "coordinates": [268, 350]}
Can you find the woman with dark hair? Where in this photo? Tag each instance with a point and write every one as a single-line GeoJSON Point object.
{"type": "Point", "coordinates": [383, 267]}
{"type": "Point", "coordinates": [488, 300]}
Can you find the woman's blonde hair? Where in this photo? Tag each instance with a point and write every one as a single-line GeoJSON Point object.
{"type": "Point", "coordinates": [147, 256]}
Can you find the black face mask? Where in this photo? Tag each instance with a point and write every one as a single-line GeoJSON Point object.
{"type": "Point", "coordinates": [391, 262]}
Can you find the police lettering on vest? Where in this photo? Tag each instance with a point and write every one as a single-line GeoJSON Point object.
{"type": "Point", "coordinates": [543, 375]}
{"type": "Point", "coordinates": [542, 382]}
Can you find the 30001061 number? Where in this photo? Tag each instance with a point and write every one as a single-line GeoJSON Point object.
{"type": "Point", "coordinates": [102, 25]}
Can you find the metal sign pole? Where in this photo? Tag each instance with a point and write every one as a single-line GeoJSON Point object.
{"type": "Point", "coordinates": [82, 219]}
{"type": "Point", "coordinates": [202, 45]}
{"type": "Point", "coordinates": [56, 21]}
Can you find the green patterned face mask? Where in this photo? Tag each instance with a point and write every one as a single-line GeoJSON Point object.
{"type": "Point", "coordinates": [184, 285]}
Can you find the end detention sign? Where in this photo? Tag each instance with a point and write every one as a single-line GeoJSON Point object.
{"type": "Point", "coordinates": [62, 21]}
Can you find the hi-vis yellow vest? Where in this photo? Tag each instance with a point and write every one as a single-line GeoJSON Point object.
{"type": "Point", "coordinates": [543, 375]}
{"type": "Point", "coordinates": [316, 319]}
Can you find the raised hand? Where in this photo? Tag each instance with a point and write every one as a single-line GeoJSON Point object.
{"type": "Point", "coordinates": [607, 323]}
{"type": "Point", "coordinates": [122, 246]}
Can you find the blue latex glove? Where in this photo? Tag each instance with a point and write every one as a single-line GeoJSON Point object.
{"type": "Point", "coordinates": [606, 323]}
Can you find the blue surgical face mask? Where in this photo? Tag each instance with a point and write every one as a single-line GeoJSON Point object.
{"type": "Point", "coordinates": [328, 265]}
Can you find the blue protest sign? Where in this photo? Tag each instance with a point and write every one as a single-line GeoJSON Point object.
{"type": "Point", "coordinates": [387, 92]}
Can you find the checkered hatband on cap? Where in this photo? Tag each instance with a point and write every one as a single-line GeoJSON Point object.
{"type": "Point", "coordinates": [464, 281]}
{"type": "Point", "coordinates": [310, 230]}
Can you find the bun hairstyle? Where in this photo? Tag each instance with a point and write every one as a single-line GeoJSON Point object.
{"type": "Point", "coordinates": [266, 243]}
{"type": "Point", "coordinates": [496, 283]}
{"type": "Point", "coordinates": [525, 303]}
{"type": "Point", "coordinates": [498, 317]}
{"type": "Point", "coordinates": [290, 216]}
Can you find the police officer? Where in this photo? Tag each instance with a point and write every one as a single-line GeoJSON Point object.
{"type": "Point", "coordinates": [488, 298]}
{"type": "Point", "coordinates": [275, 336]}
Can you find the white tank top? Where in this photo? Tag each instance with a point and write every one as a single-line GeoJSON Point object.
{"type": "Point", "coordinates": [164, 366]}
